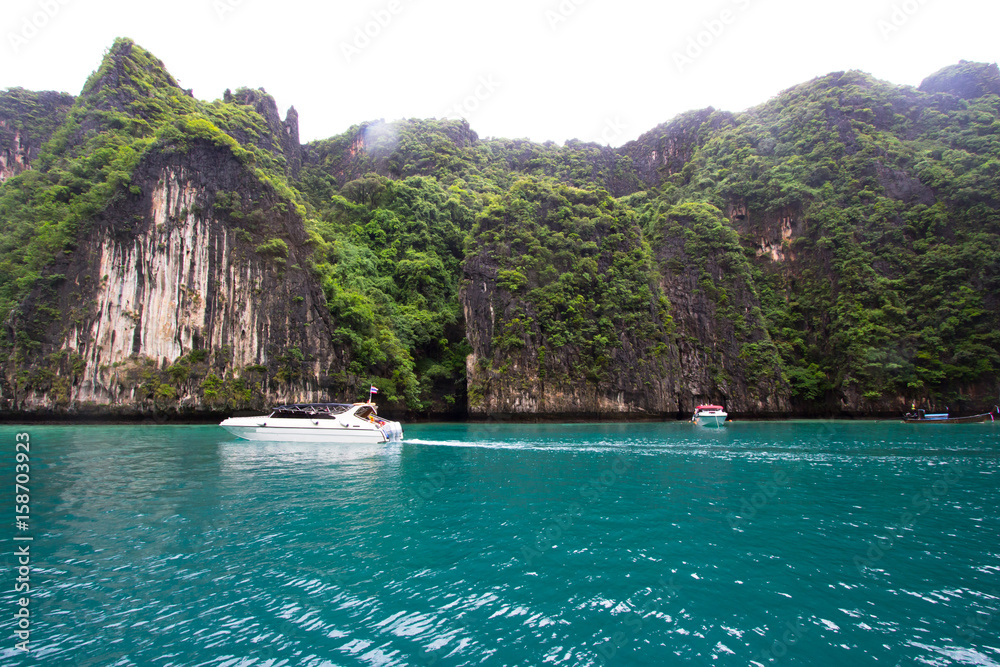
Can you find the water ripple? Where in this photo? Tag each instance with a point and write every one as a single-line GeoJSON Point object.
{"type": "Point", "coordinates": [470, 544]}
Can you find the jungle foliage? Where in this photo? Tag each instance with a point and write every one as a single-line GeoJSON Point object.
{"type": "Point", "coordinates": [889, 287]}
{"type": "Point", "coordinates": [862, 217]}
{"type": "Point", "coordinates": [579, 273]}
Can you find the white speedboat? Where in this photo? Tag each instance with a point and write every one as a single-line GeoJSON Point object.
{"type": "Point", "coordinates": [337, 423]}
{"type": "Point", "coordinates": [709, 415]}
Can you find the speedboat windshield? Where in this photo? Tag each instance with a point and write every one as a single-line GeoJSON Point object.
{"type": "Point", "coordinates": [311, 410]}
{"type": "Point", "coordinates": [364, 412]}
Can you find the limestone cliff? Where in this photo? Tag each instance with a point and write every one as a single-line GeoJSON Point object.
{"type": "Point", "coordinates": [27, 120]}
{"type": "Point", "coordinates": [589, 319]}
{"type": "Point", "coordinates": [390, 149]}
{"type": "Point", "coordinates": [668, 148]}
{"type": "Point", "coordinates": [281, 137]}
{"type": "Point", "coordinates": [726, 353]}
{"type": "Point", "coordinates": [173, 278]}
{"type": "Point", "coordinates": [176, 276]}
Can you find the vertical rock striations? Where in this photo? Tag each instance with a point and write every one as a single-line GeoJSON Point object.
{"type": "Point", "coordinates": [27, 120]}
{"type": "Point", "coordinates": [170, 268]}
{"type": "Point", "coordinates": [726, 350]}
{"type": "Point", "coordinates": [570, 312]}
{"type": "Point", "coordinates": [180, 276]}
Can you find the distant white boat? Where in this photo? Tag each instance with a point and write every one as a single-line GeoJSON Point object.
{"type": "Point", "coordinates": [709, 415]}
{"type": "Point", "coordinates": [335, 423]}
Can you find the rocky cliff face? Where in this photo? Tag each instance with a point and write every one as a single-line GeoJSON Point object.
{"type": "Point", "coordinates": [726, 352]}
{"type": "Point", "coordinates": [16, 154]}
{"type": "Point", "coordinates": [543, 379]}
{"type": "Point", "coordinates": [389, 149]}
{"type": "Point", "coordinates": [592, 318]}
{"type": "Point", "coordinates": [175, 278]}
{"type": "Point", "coordinates": [966, 80]}
{"type": "Point", "coordinates": [27, 120]}
{"type": "Point", "coordinates": [281, 136]}
{"type": "Point", "coordinates": [666, 149]}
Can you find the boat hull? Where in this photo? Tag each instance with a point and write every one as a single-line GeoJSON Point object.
{"type": "Point", "coordinates": [709, 414]}
{"type": "Point", "coordinates": [711, 420]}
{"type": "Point", "coordinates": [973, 419]}
{"type": "Point", "coordinates": [302, 430]}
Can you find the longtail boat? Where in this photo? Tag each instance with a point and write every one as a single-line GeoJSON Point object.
{"type": "Point", "coordinates": [921, 417]}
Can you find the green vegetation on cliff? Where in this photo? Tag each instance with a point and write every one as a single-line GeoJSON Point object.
{"type": "Point", "coordinates": [888, 286]}
{"type": "Point", "coordinates": [129, 108]}
{"type": "Point", "coordinates": [33, 116]}
{"type": "Point", "coordinates": [838, 246]}
{"type": "Point", "coordinates": [389, 255]}
{"type": "Point", "coordinates": [579, 288]}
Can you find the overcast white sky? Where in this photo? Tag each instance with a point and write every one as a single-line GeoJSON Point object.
{"type": "Point", "coordinates": [604, 70]}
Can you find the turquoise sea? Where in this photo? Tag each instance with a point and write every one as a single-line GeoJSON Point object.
{"type": "Point", "coordinates": [794, 543]}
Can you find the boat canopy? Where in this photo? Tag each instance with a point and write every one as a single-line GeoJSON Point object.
{"type": "Point", "coordinates": [709, 407]}
{"type": "Point", "coordinates": [322, 410]}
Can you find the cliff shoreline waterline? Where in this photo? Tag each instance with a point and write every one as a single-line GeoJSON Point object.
{"type": "Point", "coordinates": [103, 416]}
